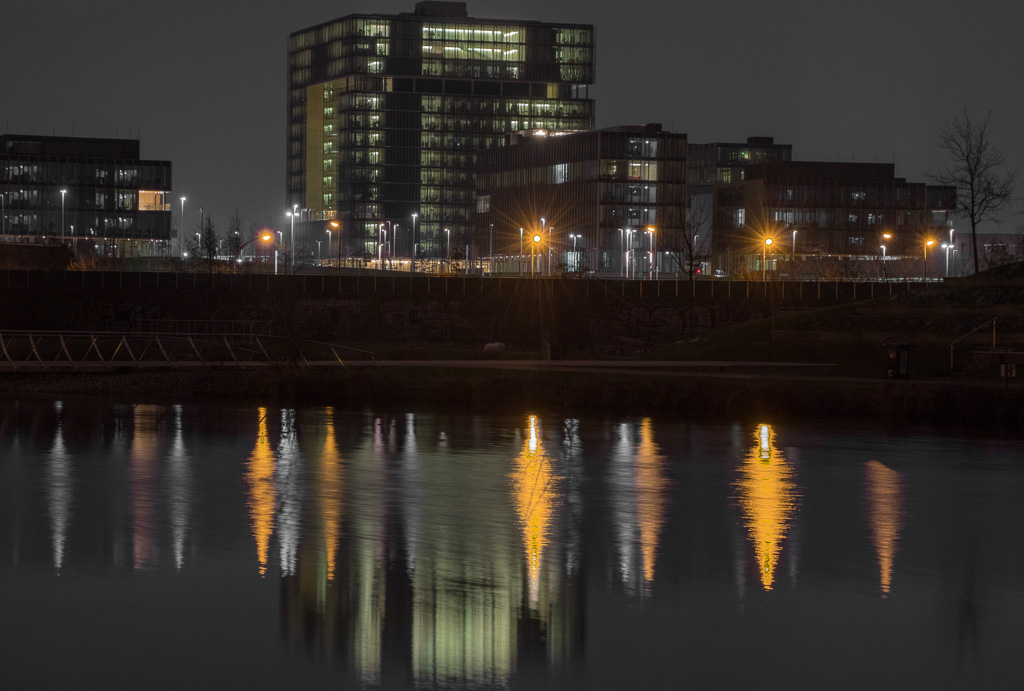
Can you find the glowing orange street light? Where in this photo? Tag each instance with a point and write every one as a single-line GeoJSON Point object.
{"type": "Point", "coordinates": [927, 244]}
{"type": "Point", "coordinates": [533, 251]}
{"type": "Point", "coordinates": [764, 260]}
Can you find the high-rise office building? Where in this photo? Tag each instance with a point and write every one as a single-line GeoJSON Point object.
{"type": "Point", "coordinates": [386, 114]}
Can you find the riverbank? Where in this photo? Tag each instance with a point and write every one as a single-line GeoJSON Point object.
{"type": "Point", "coordinates": [639, 392]}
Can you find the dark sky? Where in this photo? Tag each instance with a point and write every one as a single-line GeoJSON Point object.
{"type": "Point", "coordinates": [204, 82]}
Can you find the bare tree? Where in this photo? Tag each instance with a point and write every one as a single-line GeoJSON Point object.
{"type": "Point", "coordinates": [973, 168]}
{"type": "Point", "coordinates": [687, 240]}
{"type": "Point", "coordinates": [235, 234]}
{"type": "Point", "coordinates": [205, 246]}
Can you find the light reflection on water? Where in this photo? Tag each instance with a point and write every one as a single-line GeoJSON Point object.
{"type": "Point", "coordinates": [432, 551]}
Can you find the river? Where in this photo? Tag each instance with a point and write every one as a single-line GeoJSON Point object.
{"type": "Point", "coordinates": [206, 546]}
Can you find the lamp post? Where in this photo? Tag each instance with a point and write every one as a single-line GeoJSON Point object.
{"type": "Point", "coordinates": [550, 228]}
{"type": "Point", "coordinates": [448, 246]}
{"type": "Point", "coordinates": [520, 251]}
{"type": "Point", "coordinates": [952, 248]}
{"type": "Point", "coordinates": [412, 258]}
{"type": "Point", "coordinates": [62, 194]}
{"type": "Point", "coordinates": [293, 214]}
{"type": "Point", "coordinates": [883, 251]}
{"type": "Point", "coordinates": [654, 252]}
{"type": "Point", "coordinates": [622, 252]}
{"type": "Point", "coordinates": [491, 253]}
{"type": "Point", "coordinates": [794, 243]}
{"type": "Point", "coordinates": [181, 230]}
{"type": "Point", "coordinates": [927, 244]}
{"type": "Point", "coordinates": [764, 260]}
{"type": "Point", "coordinates": [533, 251]}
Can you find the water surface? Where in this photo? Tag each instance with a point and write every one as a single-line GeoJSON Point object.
{"type": "Point", "coordinates": [162, 546]}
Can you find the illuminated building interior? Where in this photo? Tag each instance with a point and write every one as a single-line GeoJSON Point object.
{"type": "Point", "coordinates": [600, 191]}
{"type": "Point", "coordinates": [86, 190]}
{"type": "Point", "coordinates": [387, 113]}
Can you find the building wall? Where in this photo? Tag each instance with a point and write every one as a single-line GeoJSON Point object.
{"type": "Point", "coordinates": [815, 209]}
{"type": "Point", "coordinates": [601, 190]}
{"type": "Point", "coordinates": [111, 195]}
{"type": "Point", "coordinates": [386, 114]}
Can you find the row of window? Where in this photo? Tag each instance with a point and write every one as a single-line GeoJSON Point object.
{"type": "Point", "coordinates": [827, 218]}
{"type": "Point", "coordinates": [85, 174]}
{"type": "Point", "coordinates": [81, 226]}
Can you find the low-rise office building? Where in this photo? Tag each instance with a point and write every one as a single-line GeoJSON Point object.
{"type": "Point", "coordinates": [857, 211]}
{"type": "Point", "coordinates": [608, 200]}
{"type": "Point", "coordinates": [75, 189]}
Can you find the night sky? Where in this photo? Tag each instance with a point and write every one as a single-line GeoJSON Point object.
{"type": "Point", "coordinates": [203, 83]}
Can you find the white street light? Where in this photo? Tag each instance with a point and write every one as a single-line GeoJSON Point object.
{"type": "Point", "coordinates": [62, 193]}
{"type": "Point", "coordinates": [181, 231]}
{"type": "Point", "coordinates": [412, 259]}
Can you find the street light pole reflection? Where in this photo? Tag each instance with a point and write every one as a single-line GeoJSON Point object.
{"type": "Point", "coordinates": [534, 490]}
{"type": "Point", "coordinates": [262, 499]}
{"type": "Point", "coordinates": [883, 492]}
{"type": "Point", "coordinates": [768, 497]}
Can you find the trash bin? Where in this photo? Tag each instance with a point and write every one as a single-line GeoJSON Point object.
{"type": "Point", "coordinates": [896, 357]}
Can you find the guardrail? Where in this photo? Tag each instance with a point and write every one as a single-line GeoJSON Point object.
{"type": "Point", "coordinates": [403, 283]}
{"type": "Point", "coordinates": [104, 350]}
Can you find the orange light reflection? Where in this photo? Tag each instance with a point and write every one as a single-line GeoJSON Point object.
{"type": "Point", "coordinates": [262, 499]}
{"type": "Point", "coordinates": [884, 490]}
{"type": "Point", "coordinates": [768, 497]}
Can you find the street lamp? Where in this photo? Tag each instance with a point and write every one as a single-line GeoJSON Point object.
{"type": "Point", "coordinates": [520, 251]}
{"type": "Point", "coordinates": [764, 259]}
{"type": "Point", "coordinates": [536, 240]}
{"type": "Point", "coordinates": [622, 252]}
{"type": "Point", "coordinates": [293, 213]}
{"type": "Point", "coordinates": [927, 244]}
{"type": "Point", "coordinates": [448, 247]}
{"type": "Point", "coordinates": [62, 193]}
{"type": "Point", "coordinates": [794, 244]}
{"type": "Point", "coordinates": [336, 226]}
{"type": "Point", "coordinates": [181, 230]}
{"type": "Point", "coordinates": [654, 251]}
{"type": "Point", "coordinates": [413, 257]}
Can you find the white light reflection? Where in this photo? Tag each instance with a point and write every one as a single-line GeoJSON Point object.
{"type": "Point", "coordinates": [411, 488]}
{"type": "Point", "coordinates": [60, 491]}
{"type": "Point", "coordinates": [180, 489]}
{"type": "Point", "coordinates": [641, 504]}
{"type": "Point", "coordinates": [142, 458]}
{"type": "Point", "coordinates": [289, 487]}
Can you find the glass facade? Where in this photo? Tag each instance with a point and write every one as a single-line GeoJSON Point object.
{"type": "Point", "coordinates": [592, 195]}
{"type": "Point", "coordinates": [387, 114]}
{"type": "Point", "coordinates": [77, 188]}
{"type": "Point", "coordinates": [819, 209]}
